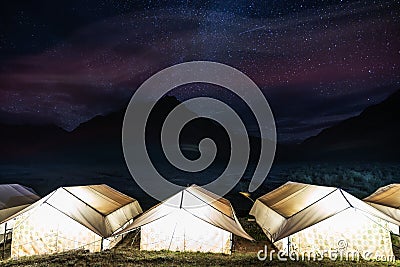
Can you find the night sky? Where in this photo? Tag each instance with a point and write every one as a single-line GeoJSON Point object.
{"type": "Point", "coordinates": [64, 62]}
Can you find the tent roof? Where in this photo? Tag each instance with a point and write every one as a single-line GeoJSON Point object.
{"type": "Point", "coordinates": [101, 198]}
{"type": "Point", "coordinates": [387, 195]}
{"type": "Point", "coordinates": [100, 208]}
{"type": "Point", "coordinates": [13, 198]}
{"type": "Point", "coordinates": [387, 200]}
{"type": "Point", "coordinates": [198, 202]}
{"type": "Point", "coordinates": [296, 206]}
{"type": "Point", "coordinates": [291, 198]}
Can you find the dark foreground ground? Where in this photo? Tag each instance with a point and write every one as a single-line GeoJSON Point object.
{"type": "Point", "coordinates": [127, 253]}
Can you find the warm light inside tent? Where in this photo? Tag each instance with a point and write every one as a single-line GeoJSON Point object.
{"type": "Point", "coordinates": [310, 219]}
{"type": "Point", "coordinates": [46, 231]}
{"type": "Point", "coordinates": [64, 221]}
{"type": "Point", "coordinates": [349, 231]}
{"type": "Point", "coordinates": [181, 231]}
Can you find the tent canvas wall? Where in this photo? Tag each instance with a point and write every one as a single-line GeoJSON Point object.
{"type": "Point", "coordinates": [192, 220]}
{"type": "Point", "coordinates": [308, 219]}
{"type": "Point", "coordinates": [13, 198]}
{"type": "Point", "coordinates": [387, 200]}
{"type": "Point", "coordinates": [71, 218]}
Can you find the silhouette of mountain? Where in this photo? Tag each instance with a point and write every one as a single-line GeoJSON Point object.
{"type": "Point", "coordinates": [374, 134]}
{"type": "Point", "coordinates": [20, 141]}
{"type": "Point", "coordinates": [99, 139]}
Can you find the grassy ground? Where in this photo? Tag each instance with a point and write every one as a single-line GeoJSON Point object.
{"type": "Point", "coordinates": [127, 253]}
{"type": "Point", "coordinates": [117, 257]}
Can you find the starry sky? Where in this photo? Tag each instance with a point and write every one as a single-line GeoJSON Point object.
{"type": "Point", "coordinates": [317, 62]}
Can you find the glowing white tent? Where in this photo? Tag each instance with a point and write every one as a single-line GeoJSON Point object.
{"type": "Point", "coordinates": [309, 219]}
{"type": "Point", "coordinates": [192, 220]}
{"type": "Point", "coordinates": [387, 200]}
{"type": "Point", "coordinates": [13, 198]}
{"type": "Point", "coordinates": [71, 218]}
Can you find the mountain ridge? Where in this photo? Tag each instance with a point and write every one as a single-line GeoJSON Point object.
{"type": "Point", "coordinates": [375, 130]}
